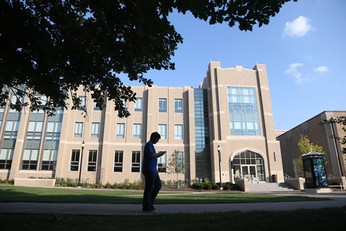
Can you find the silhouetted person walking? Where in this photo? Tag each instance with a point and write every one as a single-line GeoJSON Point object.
{"type": "Point", "coordinates": [149, 170]}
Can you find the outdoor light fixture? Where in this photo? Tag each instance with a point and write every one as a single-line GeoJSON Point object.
{"type": "Point", "coordinates": [81, 162]}
{"type": "Point", "coordinates": [219, 153]}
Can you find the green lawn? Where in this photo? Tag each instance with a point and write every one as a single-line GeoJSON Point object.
{"type": "Point", "coordinates": [100, 196]}
{"type": "Point", "coordinates": [321, 219]}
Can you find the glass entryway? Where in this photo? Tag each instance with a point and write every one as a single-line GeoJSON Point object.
{"type": "Point", "coordinates": [249, 172]}
{"type": "Point", "coordinates": [248, 165]}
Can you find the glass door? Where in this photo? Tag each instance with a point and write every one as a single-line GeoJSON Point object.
{"type": "Point", "coordinates": [249, 172]}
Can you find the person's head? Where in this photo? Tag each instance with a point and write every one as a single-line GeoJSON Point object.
{"type": "Point", "coordinates": [155, 137]}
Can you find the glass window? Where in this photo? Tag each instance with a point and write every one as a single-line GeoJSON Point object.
{"type": "Point", "coordinates": [139, 104]}
{"type": "Point", "coordinates": [162, 105]}
{"type": "Point", "coordinates": [96, 108]}
{"type": "Point", "coordinates": [29, 161]}
{"type": "Point", "coordinates": [178, 105]}
{"type": "Point", "coordinates": [162, 163]}
{"type": "Point", "coordinates": [243, 162]}
{"type": "Point", "coordinates": [92, 160]}
{"type": "Point", "coordinates": [78, 129]}
{"type": "Point", "coordinates": [163, 131]}
{"type": "Point", "coordinates": [137, 131]}
{"type": "Point", "coordinates": [95, 129]}
{"type": "Point", "coordinates": [243, 113]}
{"type": "Point", "coordinates": [74, 165]}
{"type": "Point", "coordinates": [6, 155]}
{"type": "Point", "coordinates": [82, 103]}
{"type": "Point", "coordinates": [120, 130]}
{"type": "Point", "coordinates": [118, 161]}
{"type": "Point", "coordinates": [178, 131]}
{"type": "Point", "coordinates": [136, 160]}
{"type": "Point", "coordinates": [49, 160]}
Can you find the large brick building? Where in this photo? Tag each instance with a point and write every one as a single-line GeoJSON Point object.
{"type": "Point", "coordinates": [224, 128]}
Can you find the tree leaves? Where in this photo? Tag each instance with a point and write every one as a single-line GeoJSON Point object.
{"type": "Point", "coordinates": [53, 47]}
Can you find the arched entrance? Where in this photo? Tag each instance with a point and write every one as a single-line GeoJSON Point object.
{"type": "Point", "coordinates": [248, 165]}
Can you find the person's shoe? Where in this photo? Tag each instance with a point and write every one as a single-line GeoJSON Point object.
{"type": "Point", "coordinates": [151, 210]}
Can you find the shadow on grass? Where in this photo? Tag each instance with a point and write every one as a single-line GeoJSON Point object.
{"type": "Point", "coordinates": [321, 219]}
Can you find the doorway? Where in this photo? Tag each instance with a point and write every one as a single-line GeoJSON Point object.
{"type": "Point", "coordinates": [248, 165]}
{"type": "Point", "coordinates": [249, 172]}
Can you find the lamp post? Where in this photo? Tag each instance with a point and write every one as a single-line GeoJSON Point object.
{"type": "Point", "coordinates": [219, 153]}
{"type": "Point", "coordinates": [81, 162]}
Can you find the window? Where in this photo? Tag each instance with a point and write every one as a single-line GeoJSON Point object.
{"type": "Point", "coordinates": [53, 129]}
{"type": "Point", "coordinates": [92, 160]}
{"type": "Point", "coordinates": [243, 111]}
{"type": "Point", "coordinates": [95, 129]}
{"type": "Point", "coordinates": [78, 129]}
{"type": "Point", "coordinates": [96, 108]}
{"type": "Point", "coordinates": [162, 163]}
{"type": "Point", "coordinates": [6, 155]}
{"type": "Point", "coordinates": [82, 103]}
{"type": "Point", "coordinates": [29, 161]}
{"type": "Point", "coordinates": [162, 105]}
{"type": "Point", "coordinates": [136, 160]}
{"type": "Point", "coordinates": [120, 130]}
{"type": "Point", "coordinates": [178, 105]}
{"type": "Point", "coordinates": [118, 161]}
{"type": "Point", "coordinates": [139, 104]}
{"type": "Point", "coordinates": [163, 131]}
{"type": "Point", "coordinates": [75, 160]}
{"type": "Point", "coordinates": [49, 159]}
{"type": "Point", "coordinates": [11, 130]}
{"type": "Point", "coordinates": [178, 131]}
{"type": "Point", "coordinates": [137, 131]}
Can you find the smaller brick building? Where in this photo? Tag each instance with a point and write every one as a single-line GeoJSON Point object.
{"type": "Point", "coordinates": [319, 133]}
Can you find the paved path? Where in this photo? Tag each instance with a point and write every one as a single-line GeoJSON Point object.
{"type": "Point", "coordinates": [336, 200]}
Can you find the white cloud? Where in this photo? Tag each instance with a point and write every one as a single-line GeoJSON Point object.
{"type": "Point", "coordinates": [297, 28]}
{"type": "Point", "coordinates": [321, 69]}
{"type": "Point", "coordinates": [295, 73]}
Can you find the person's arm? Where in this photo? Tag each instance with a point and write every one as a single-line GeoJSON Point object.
{"type": "Point", "coordinates": [149, 152]}
{"type": "Point", "coordinates": [156, 155]}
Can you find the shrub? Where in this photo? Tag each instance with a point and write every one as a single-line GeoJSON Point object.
{"type": "Point", "coordinates": [197, 186]}
{"type": "Point", "coordinates": [6, 181]}
{"type": "Point", "coordinates": [215, 186]}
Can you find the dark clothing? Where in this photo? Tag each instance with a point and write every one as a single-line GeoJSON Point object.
{"type": "Point", "coordinates": [152, 178]}
{"type": "Point", "coordinates": [152, 188]}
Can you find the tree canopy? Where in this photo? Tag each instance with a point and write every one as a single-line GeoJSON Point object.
{"type": "Point", "coordinates": [52, 47]}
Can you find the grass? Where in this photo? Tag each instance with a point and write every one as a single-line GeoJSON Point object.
{"type": "Point", "coordinates": [321, 219]}
{"type": "Point", "coordinates": [73, 195]}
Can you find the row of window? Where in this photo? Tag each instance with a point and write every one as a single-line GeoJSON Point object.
{"type": "Point", "coordinates": [178, 104]}
{"type": "Point", "coordinates": [118, 161]}
{"type": "Point", "coordinates": [136, 130]}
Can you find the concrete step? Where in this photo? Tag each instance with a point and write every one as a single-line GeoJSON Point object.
{"type": "Point", "coordinates": [269, 187]}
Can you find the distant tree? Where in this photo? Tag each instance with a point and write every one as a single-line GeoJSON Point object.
{"type": "Point", "coordinates": [176, 164]}
{"type": "Point", "coordinates": [342, 121]}
{"type": "Point", "coordinates": [52, 47]}
{"type": "Point", "coordinates": [305, 146]}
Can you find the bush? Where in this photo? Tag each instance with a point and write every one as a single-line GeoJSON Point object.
{"type": "Point", "coordinates": [215, 187]}
{"type": "Point", "coordinates": [197, 186]}
{"type": "Point", "coordinates": [6, 181]}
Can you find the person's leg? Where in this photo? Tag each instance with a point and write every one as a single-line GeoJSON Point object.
{"type": "Point", "coordinates": [156, 188]}
{"type": "Point", "coordinates": [149, 179]}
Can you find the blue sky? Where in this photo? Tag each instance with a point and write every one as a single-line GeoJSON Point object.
{"type": "Point", "coordinates": [304, 48]}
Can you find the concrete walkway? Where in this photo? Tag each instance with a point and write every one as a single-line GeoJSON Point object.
{"type": "Point", "coordinates": [336, 199]}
